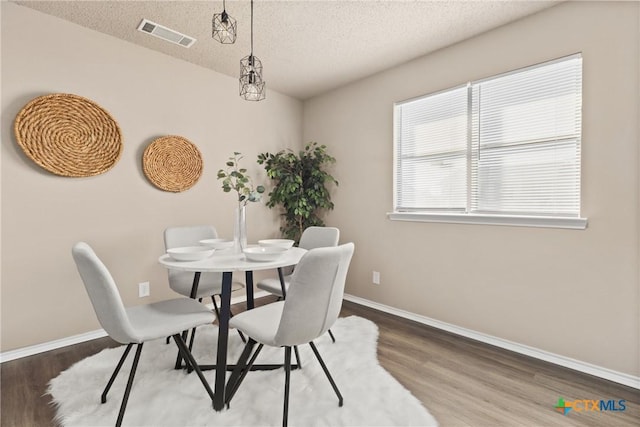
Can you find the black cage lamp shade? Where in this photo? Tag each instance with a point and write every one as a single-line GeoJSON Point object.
{"type": "Point", "coordinates": [252, 85]}
{"type": "Point", "coordinates": [224, 27]}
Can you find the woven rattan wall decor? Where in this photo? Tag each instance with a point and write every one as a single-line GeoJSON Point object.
{"type": "Point", "coordinates": [68, 135]}
{"type": "Point", "coordinates": [172, 163]}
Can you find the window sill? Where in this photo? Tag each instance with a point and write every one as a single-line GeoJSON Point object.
{"type": "Point", "coordinates": [517, 221]}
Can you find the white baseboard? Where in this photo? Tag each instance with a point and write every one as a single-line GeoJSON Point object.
{"type": "Point", "coordinates": [598, 371]}
{"type": "Point", "coordinates": [87, 336]}
{"type": "Point", "coordinates": [51, 345]}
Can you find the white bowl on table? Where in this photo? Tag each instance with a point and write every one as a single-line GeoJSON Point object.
{"type": "Point", "coordinates": [280, 243]}
{"type": "Point", "coordinates": [190, 253]}
{"type": "Point", "coordinates": [264, 253]}
{"type": "Point", "coordinates": [217, 243]}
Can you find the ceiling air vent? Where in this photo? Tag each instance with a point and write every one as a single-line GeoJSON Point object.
{"type": "Point", "coordinates": [165, 33]}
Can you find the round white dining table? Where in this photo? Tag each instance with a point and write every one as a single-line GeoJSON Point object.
{"type": "Point", "coordinates": [227, 263]}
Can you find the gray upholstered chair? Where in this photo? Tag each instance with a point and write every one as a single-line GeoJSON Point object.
{"type": "Point", "coordinates": [136, 325]}
{"type": "Point", "coordinates": [311, 308]}
{"type": "Point", "coordinates": [312, 237]}
{"type": "Point", "coordinates": [210, 284]}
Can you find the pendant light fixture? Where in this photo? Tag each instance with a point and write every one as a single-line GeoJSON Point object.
{"type": "Point", "coordinates": [224, 27]}
{"type": "Point", "coordinates": [252, 86]}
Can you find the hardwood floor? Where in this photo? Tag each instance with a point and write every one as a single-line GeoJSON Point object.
{"type": "Point", "coordinates": [460, 381]}
{"type": "Point", "coordinates": [466, 383]}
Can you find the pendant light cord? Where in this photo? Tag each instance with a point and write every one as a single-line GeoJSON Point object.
{"type": "Point", "coordinates": [252, 28]}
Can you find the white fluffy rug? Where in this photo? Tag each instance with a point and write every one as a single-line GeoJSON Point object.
{"type": "Point", "coordinates": [162, 396]}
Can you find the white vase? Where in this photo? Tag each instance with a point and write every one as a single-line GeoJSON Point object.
{"type": "Point", "coordinates": [240, 230]}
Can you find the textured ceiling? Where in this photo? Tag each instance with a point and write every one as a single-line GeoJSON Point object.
{"type": "Point", "coordinates": [306, 47]}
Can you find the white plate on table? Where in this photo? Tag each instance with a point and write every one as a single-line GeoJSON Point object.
{"type": "Point", "coordinates": [217, 243]}
{"type": "Point", "coordinates": [190, 253]}
{"type": "Point", "coordinates": [281, 243]}
{"type": "Point", "coordinates": [264, 253]}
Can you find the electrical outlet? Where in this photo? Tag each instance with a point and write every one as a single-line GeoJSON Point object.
{"type": "Point", "coordinates": [376, 277]}
{"type": "Point", "coordinates": [143, 289]}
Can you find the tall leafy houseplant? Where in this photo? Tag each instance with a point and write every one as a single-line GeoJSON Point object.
{"type": "Point", "coordinates": [300, 186]}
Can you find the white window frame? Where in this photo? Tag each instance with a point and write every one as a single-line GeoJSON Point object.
{"type": "Point", "coordinates": [468, 216]}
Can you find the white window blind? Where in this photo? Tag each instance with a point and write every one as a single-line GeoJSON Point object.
{"type": "Point", "coordinates": [432, 150]}
{"type": "Point", "coordinates": [507, 145]}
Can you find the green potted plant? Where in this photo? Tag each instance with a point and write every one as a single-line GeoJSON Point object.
{"type": "Point", "coordinates": [300, 186]}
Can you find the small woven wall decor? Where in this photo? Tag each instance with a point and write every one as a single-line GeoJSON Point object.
{"type": "Point", "coordinates": [68, 135]}
{"type": "Point", "coordinates": [172, 163]}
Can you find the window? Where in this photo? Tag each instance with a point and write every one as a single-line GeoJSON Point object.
{"type": "Point", "coordinates": [501, 150]}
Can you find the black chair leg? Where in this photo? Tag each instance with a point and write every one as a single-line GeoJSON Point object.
{"type": "Point", "coordinates": [193, 333]}
{"type": "Point", "coordinates": [215, 306]}
{"type": "Point", "coordinates": [237, 375]}
{"type": "Point", "coordinates": [103, 398]}
{"type": "Point", "coordinates": [298, 360]}
{"type": "Point", "coordinates": [287, 379]}
{"type": "Point", "coordinates": [283, 288]}
{"type": "Point", "coordinates": [192, 295]}
{"type": "Point", "coordinates": [190, 346]}
{"type": "Point", "coordinates": [241, 370]}
{"type": "Point", "coordinates": [127, 391]}
{"type": "Point", "coordinates": [331, 335]}
{"type": "Point", "coordinates": [188, 356]}
{"type": "Point", "coordinates": [244, 340]}
{"type": "Point", "coordinates": [193, 337]}
{"type": "Point", "coordinates": [179, 357]}
{"type": "Point", "coordinates": [326, 371]}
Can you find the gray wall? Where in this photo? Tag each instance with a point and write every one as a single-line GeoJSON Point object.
{"type": "Point", "coordinates": [119, 213]}
{"type": "Point", "coordinates": [569, 292]}
{"type": "Point", "coordinates": [574, 293]}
